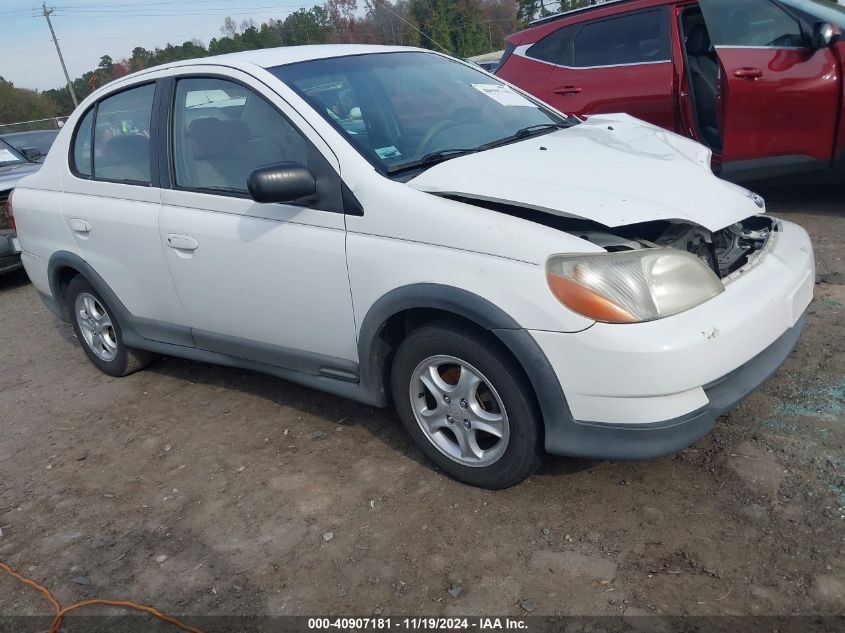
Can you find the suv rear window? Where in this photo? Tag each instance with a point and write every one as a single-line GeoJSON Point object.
{"type": "Point", "coordinates": [635, 38]}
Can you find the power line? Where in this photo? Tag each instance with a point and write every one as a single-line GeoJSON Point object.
{"type": "Point", "coordinates": [130, 10]}
{"type": "Point", "coordinates": [99, 16]}
{"type": "Point", "coordinates": [111, 5]}
{"type": "Point", "coordinates": [413, 26]}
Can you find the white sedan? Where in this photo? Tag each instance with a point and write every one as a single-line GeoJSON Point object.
{"type": "Point", "coordinates": [398, 227]}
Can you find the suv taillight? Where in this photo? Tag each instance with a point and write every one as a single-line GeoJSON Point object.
{"type": "Point", "coordinates": [9, 212]}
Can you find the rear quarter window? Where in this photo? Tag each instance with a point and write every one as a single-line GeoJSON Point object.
{"type": "Point", "coordinates": [81, 160]}
{"type": "Point", "coordinates": [556, 47]}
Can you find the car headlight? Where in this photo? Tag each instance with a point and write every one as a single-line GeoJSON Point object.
{"type": "Point", "coordinates": [631, 286]}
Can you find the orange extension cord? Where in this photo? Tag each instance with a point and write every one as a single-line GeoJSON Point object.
{"type": "Point", "coordinates": [62, 611]}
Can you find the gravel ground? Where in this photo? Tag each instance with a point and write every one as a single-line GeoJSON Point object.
{"type": "Point", "coordinates": [208, 490]}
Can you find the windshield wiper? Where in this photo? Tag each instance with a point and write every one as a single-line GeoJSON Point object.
{"type": "Point", "coordinates": [432, 158]}
{"type": "Point", "coordinates": [525, 132]}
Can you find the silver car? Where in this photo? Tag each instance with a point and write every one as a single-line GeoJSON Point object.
{"type": "Point", "coordinates": [13, 166]}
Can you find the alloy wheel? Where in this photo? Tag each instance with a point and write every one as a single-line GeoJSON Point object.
{"type": "Point", "coordinates": [96, 327]}
{"type": "Point", "coordinates": [459, 411]}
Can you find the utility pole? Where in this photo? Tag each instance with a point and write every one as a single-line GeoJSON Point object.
{"type": "Point", "coordinates": [47, 13]}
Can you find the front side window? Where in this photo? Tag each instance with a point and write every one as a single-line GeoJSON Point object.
{"type": "Point", "coordinates": [636, 38]}
{"type": "Point", "coordinates": [400, 109]}
{"type": "Point", "coordinates": [751, 23]}
{"type": "Point", "coordinates": [223, 131]}
{"type": "Point", "coordinates": [122, 136]}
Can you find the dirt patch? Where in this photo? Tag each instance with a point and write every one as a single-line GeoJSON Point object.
{"type": "Point", "coordinates": [203, 489]}
{"type": "Point", "coordinates": [758, 470]}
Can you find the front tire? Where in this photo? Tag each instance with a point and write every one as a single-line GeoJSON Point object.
{"type": "Point", "coordinates": [99, 332]}
{"type": "Point", "coordinates": [467, 405]}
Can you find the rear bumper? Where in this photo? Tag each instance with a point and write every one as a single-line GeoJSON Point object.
{"type": "Point", "coordinates": [9, 244]}
{"type": "Point", "coordinates": [10, 250]}
{"type": "Point", "coordinates": [644, 441]}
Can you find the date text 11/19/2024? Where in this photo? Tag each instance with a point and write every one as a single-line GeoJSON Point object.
{"type": "Point", "coordinates": [416, 624]}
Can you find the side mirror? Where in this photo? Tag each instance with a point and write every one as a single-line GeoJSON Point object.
{"type": "Point", "coordinates": [824, 34]}
{"type": "Point", "coordinates": [32, 153]}
{"type": "Point", "coordinates": [283, 182]}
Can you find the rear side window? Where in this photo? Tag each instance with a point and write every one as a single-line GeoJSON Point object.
{"type": "Point", "coordinates": [112, 141]}
{"type": "Point", "coordinates": [635, 38]}
{"type": "Point", "coordinates": [122, 136]}
{"type": "Point", "coordinates": [751, 23]}
{"type": "Point", "coordinates": [555, 48]}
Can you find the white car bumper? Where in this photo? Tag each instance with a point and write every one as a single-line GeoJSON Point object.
{"type": "Point", "coordinates": [665, 371]}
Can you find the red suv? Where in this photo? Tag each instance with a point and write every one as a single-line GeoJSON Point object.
{"type": "Point", "coordinates": [758, 81]}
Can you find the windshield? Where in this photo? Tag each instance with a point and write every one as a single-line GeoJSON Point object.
{"type": "Point", "coordinates": [821, 10]}
{"type": "Point", "coordinates": [9, 155]}
{"type": "Point", "coordinates": [42, 141]}
{"type": "Point", "coordinates": [403, 109]}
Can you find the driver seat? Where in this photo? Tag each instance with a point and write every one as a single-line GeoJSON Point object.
{"type": "Point", "coordinates": [704, 72]}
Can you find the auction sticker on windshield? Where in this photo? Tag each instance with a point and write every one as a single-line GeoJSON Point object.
{"type": "Point", "coordinates": [503, 94]}
{"type": "Point", "coordinates": [7, 157]}
{"type": "Point", "coordinates": [388, 152]}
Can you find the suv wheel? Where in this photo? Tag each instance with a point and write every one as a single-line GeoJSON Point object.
{"type": "Point", "coordinates": [99, 332]}
{"type": "Point", "coordinates": [467, 405]}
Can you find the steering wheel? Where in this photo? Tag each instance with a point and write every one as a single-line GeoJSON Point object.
{"type": "Point", "coordinates": [434, 131]}
{"type": "Point", "coordinates": [784, 40]}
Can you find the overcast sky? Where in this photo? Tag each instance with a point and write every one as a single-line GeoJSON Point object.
{"type": "Point", "coordinates": [88, 29]}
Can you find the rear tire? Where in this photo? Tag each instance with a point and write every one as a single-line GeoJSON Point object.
{"type": "Point", "coordinates": [99, 332]}
{"type": "Point", "coordinates": [467, 405]}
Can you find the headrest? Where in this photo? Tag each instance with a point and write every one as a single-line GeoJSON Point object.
{"type": "Point", "coordinates": [698, 40]}
{"type": "Point", "coordinates": [127, 148]}
{"type": "Point", "coordinates": [738, 26]}
{"type": "Point", "coordinates": [213, 137]}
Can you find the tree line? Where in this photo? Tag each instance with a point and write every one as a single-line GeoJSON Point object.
{"type": "Point", "coordinates": [459, 27]}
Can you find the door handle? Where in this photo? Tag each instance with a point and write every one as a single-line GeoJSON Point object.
{"type": "Point", "coordinates": [80, 226]}
{"type": "Point", "coordinates": [748, 73]}
{"type": "Point", "coordinates": [182, 242]}
{"type": "Point", "coordinates": [567, 90]}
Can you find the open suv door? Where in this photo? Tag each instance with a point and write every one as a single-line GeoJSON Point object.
{"type": "Point", "coordinates": [778, 91]}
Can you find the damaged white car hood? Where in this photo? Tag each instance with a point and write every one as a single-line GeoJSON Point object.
{"type": "Point", "coordinates": [612, 169]}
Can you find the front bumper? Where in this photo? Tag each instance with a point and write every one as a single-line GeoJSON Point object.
{"type": "Point", "coordinates": [668, 380]}
{"type": "Point", "coordinates": [644, 441]}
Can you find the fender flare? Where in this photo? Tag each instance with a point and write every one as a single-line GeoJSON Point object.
{"type": "Point", "coordinates": [136, 331]}
{"type": "Point", "coordinates": [516, 339]}
{"type": "Point", "coordinates": [65, 259]}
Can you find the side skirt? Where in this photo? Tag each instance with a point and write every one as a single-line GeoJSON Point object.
{"type": "Point", "coordinates": [342, 387]}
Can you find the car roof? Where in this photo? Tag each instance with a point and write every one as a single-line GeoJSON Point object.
{"type": "Point", "coordinates": [562, 14]}
{"type": "Point", "coordinates": [282, 55]}
{"type": "Point", "coordinates": [262, 58]}
{"type": "Point", "coordinates": [538, 29]}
